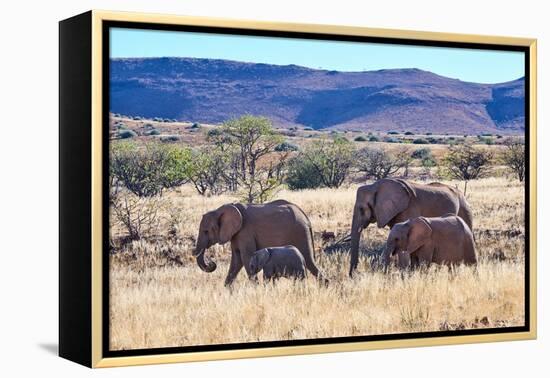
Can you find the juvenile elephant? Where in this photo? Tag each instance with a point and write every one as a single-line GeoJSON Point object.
{"type": "Point", "coordinates": [390, 201]}
{"type": "Point", "coordinates": [252, 227]}
{"type": "Point", "coordinates": [442, 240]}
{"type": "Point", "coordinates": [279, 262]}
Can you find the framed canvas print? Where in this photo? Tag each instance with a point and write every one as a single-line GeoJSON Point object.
{"type": "Point", "coordinates": [235, 189]}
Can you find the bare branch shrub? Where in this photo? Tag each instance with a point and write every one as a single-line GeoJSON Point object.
{"type": "Point", "coordinates": [378, 163]}
{"type": "Point", "coordinates": [139, 216]}
{"type": "Point", "coordinates": [467, 162]}
{"type": "Point", "coordinates": [514, 157]}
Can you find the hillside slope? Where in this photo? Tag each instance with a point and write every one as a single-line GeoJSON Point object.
{"type": "Point", "coordinates": [212, 91]}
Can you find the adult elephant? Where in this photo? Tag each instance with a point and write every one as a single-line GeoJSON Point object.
{"type": "Point", "coordinates": [253, 227]}
{"type": "Point", "coordinates": [391, 201]}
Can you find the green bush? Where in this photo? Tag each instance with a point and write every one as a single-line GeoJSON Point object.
{"type": "Point", "coordinates": [147, 170]}
{"type": "Point", "coordinates": [391, 140]}
{"type": "Point", "coordinates": [432, 140]}
{"type": "Point", "coordinates": [409, 133]}
{"type": "Point", "coordinates": [421, 153]}
{"type": "Point", "coordinates": [169, 138]}
{"type": "Point", "coordinates": [360, 138]}
{"type": "Point", "coordinates": [286, 146]}
{"type": "Point", "coordinates": [308, 128]}
{"type": "Point", "coordinates": [196, 126]}
{"type": "Point", "coordinates": [393, 132]}
{"type": "Point", "coordinates": [302, 174]}
{"type": "Point", "coordinates": [125, 134]}
{"type": "Point", "coordinates": [151, 132]}
{"type": "Point", "coordinates": [374, 138]}
{"type": "Point", "coordinates": [420, 141]}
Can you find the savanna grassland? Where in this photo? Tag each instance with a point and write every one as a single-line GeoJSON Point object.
{"type": "Point", "coordinates": [160, 298]}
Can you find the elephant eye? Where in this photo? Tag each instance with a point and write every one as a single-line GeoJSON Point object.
{"type": "Point", "coordinates": [362, 210]}
{"type": "Point", "coordinates": [205, 231]}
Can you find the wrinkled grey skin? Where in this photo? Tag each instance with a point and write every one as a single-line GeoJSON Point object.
{"type": "Point", "coordinates": [420, 241]}
{"type": "Point", "coordinates": [252, 227]}
{"type": "Point", "coordinates": [279, 262]}
{"type": "Point", "coordinates": [390, 201]}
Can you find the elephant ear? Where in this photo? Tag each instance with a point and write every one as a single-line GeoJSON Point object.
{"type": "Point", "coordinates": [230, 221]}
{"type": "Point", "coordinates": [419, 234]}
{"type": "Point", "coordinates": [262, 257]}
{"type": "Point", "coordinates": [392, 197]}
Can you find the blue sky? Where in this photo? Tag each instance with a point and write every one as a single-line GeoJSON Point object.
{"type": "Point", "coordinates": [481, 66]}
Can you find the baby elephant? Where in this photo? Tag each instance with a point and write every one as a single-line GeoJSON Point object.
{"type": "Point", "coordinates": [442, 240]}
{"type": "Point", "coordinates": [278, 262]}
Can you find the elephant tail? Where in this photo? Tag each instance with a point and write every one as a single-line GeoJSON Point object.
{"type": "Point", "coordinates": [465, 212]}
{"type": "Point", "coordinates": [312, 241]}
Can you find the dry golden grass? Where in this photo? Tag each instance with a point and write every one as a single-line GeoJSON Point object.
{"type": "Point", "coordinates": [160, 298]}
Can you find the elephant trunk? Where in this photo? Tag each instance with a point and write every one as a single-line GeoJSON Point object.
{"type": "Point", "coordinates": [209, 266]}
{"type": "Point", "coordinates": [356, 228]}
{"type": "Point", "coordinates": [388, 252]}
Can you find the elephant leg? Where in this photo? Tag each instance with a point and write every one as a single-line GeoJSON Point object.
{"type": "Point", "coordinates": [305, 246]}
{"type": "Point", "coordinates": [404, 260]}
{"type": "Point", "coordinates": [425, 255]}
{"type": "Point", "coordinates": [268, 276]}
{"type": "Point", "coordinates": [414, 261]}
{"type": "Point", "coordinates": [247, 249]}
{"type": "Point", "coordinates": [235, 267]}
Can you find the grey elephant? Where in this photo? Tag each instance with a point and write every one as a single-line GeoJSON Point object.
{"type": "Point", "coordinates": [443, 240]}
{"type": "Point", "coordinates": [279, 262]}
{"type": "Point", "coordinates": [253, 227]}
{"type": "Point", "coordinates": [391, 201]}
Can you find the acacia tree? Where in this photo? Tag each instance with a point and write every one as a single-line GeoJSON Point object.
{"type": "Point", "coordinates": [253, 164]}
{"type": "Point", "coordinates": [514, 157]}
{"type": "Point", "coordinates": [267, 178]}
{"type": "Point", "coordinates": [254, 138]}
{"type": "Point", "coordinates": [379, 163]}
{"type": "Point", "coordinates": [331, 160]}
{"type": "Point", "coordinates": [466, 162]}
